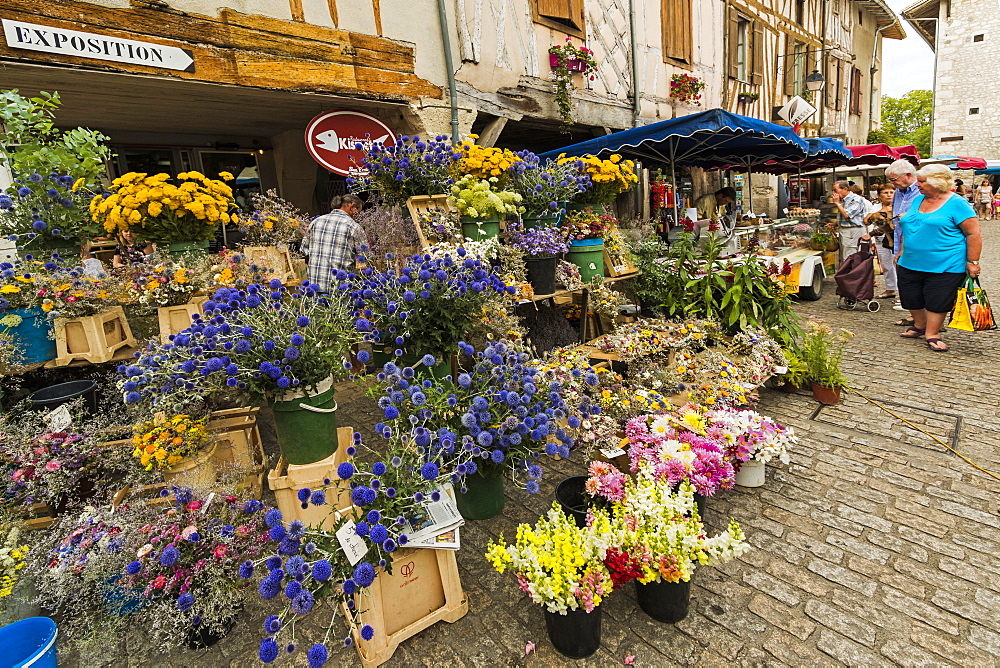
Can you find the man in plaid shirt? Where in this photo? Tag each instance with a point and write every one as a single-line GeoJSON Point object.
{"type": "Point", "coordinates": [852, 208]}
{"type": "Point", "coordinates": [334, 241]}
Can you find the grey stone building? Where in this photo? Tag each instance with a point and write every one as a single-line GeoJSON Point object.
{"type": "Point", "coordinates": [965, 37]}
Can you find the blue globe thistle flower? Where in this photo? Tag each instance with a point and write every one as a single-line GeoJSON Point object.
{"type": "Point", "coordinates": [378, 534]}
{"type": "Point", "coordinates": [373, 516]}
{"type": "Point", "coordinates": [169, 556]}
{"type": "Point", "coordinates": [317, 655]}
{"type": "Point", "coordinates": [194, 537]}
{"type": "Point", "coordinates": [391, 413]}
{"type": "Point", "coordinates": [429, 471]}
{"type": "Point", "coordinates": [363, 496]}
{"type": "Point", "coordinates": [302, 321]}
{"type": "Point", "coordinates": [349, 586]}
{"type": "Point", "coordinates": [367, 632]}
{"type": "Point", "coordinates": [532, 487]}
{"type": "Point", "coordinates": [268, 650]}
{"type": "Point", "coordinates": [497, 456]}
{"type": "Point", "coordinates": [133, 567]}
{"type": "Point", "coordinates": [277, 533]}
{"type": "Point", "coordinates": [290, 647]}
{"type": "Point", "coordinates": [364, 574]}
{"type": "Point", "coordinates": [293, 589]}
{"type": "Point", "coordinates": [364, 356]}
{"type": "Point", "coordinates": [428, 360]}
{"type": "Point", "coordinates": [345, 471]}
{"type": "Point", "coordinates": [289, 546]}
{"type": "Point", "coordinates": [348, 641]}
{"type": "Point", "coordinates": [310, 548]}
{"type": "Point", "coordinates": [273, 517]}
{"type": "Point", "coordinates": [272, 624]}
{"type": "Point", "coordinates": [269, 587]}
{"type": "Point", "coordinates": [246, 570]}
{"type": "Point", "coordinates": [303, 494]}
{"type": "Point", "coordinates": [389, 545]}
{"type": "Point", "coordinates": [297, 529]}
{"type": "Point", "coordinates": [318, 498]}
{"type": "Point", "coordinates": [322, 570]}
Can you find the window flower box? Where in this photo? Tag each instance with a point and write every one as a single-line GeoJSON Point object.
{"type": "Point", "coordinates": [572, 64]}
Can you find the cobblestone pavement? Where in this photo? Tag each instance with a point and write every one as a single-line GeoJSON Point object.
{"type": "Point", "coordinates": [874, 547]}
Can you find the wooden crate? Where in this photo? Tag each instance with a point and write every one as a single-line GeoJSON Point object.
{"type": "Point", "coordinates": [151, 494]}
{"type": "Point", "coordinates": [94, 338]}
{"type": "Point", "coordinates": [419, 206]}
{"type": "Point", "coordinates": [277, 260]}
{"type": "Point", "coordinates": [618, 265]}
{"type": "Point", "coordinates": [38, 516]}
{"type": "Point", "coordinates": [175, 319]}
{"type": "Point", "coordinates": [240, 449]}
{"type": "Point", "coordinates": [285, 480]}
{"type": "Point", "coordinates": [424, 589]}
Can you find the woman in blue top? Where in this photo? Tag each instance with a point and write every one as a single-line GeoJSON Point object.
{"type": "Point", "coordinates": [941, 244]}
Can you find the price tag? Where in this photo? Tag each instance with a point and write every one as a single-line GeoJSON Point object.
{"type": "Point", "coordinates": [351, 543]}
{"type": "Point", "coordinates": [208, 502]}
{"type": "Point", "coordinates": [611, 453]}
{"type": "Point", "coordinates": [59, 419]}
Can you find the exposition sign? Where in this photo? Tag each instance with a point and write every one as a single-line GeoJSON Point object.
{"type": "Point", "coordinates": [33, 37]}
{"type": "Point", "coordinates": [333, 138]}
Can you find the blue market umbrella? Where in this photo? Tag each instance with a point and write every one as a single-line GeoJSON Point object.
{"type": "Point", "coordinates": [710, 139]}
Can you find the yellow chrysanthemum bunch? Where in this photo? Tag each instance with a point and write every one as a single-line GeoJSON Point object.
{"type": "Point", "coordinates": [162, 443]}
{"type": "Point", "coordinates": [483, 161]}
{"type": "Point", "coordinates": [609, 178]}
{"type": "Point", "coordinates": [11, 561]}
{"type": "Point", "coordinates": [162, 212]}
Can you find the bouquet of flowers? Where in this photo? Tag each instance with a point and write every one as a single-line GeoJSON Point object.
{"type": "Point", "coordinates": [262, 341]}
{"type": "Point", "coordinates": [580, 225]}
{"type": "Point", "coordinates": [747, 435]}
{"type": "Point", "coordinates": [45, 211]}
{"type": "Point", "coordinates": [168, 284]}
{"type": "Point", "coordinates": [163, 212]}
{"type": "Point", "coordinates": [234, 270]}
{"type": "Point", "coordinates": [50, 467]}
{"type": "Point", "coordinates": [483, 162]}
{"type": "Point", "coordinates": [11, 560]}
{"type": "Point", "coordinates": [605, 301]}
{"type": "Point", "coordinates": [686, 88]}
{"type": "Point", "coordinates": [274, 221]}
{"type": "Point", "coordinates": [568, 275]}
{"type": "Point", "coordinates": [623, 401]}
{"type": "Point", "coordinates": [545, 188]}
{"type": "Point", "coordinates": [409, 167]}
{"type": "Point", "coordinates": [161, 443]}
{"type": "Point", "coordinates": [655, 535]}
{"type": "Point", "coordinates": [61, 290]}
{"type": "Point", "coordinates": [557, 564]}
{"type": "Point", "coordinates": [609, 178]}
{"type": "Point", "coordinates": [536, 242]}
{"type": "Point", "coordinates": [390, 231]}
{"type": "Point", "coordinates": [480, 198]}
{"type": "Point", "coordinates": [430, 305]}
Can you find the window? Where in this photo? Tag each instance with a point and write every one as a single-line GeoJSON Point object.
{"type": "Point", "coordinates": [746, 49]}
{"type": "Point", "coordinates": [563, 15]}
{"type": "Point", "coordinates": [861, 20]}
{"type": "Point", "coordinates": [973, 111]}
{"type": "Point", "coordinates": [836, 86]}
{"type": "Point", "coordinates": [978, 38]}
{"type": "Point", "coordinates": [958, 138]}
{"type": "Point", "coordinates": [856, 87]}
{"type": "Point", "coordinates": [675, 20]}
{"type": "Point", "coordinates": [795, 66]}
{"type": "Point", "coordinates": [800, 12]}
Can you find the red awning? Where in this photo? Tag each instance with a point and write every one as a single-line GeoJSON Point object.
{"type": "Point", "coordinates": [908, 152]}
{"type": "Point", "coordinates": [971, 163]}
{"type": "Point", "coordinates": [872, 154]}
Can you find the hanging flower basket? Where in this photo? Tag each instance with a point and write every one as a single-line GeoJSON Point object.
{"type": "Point", "coordinates": [572, 64]}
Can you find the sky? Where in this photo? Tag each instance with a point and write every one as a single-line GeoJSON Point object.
{"type": "Point", "coordinates": [906, 64]}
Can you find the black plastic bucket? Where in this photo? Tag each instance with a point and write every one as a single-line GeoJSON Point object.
{"type": "Point", "coordinates": [542, 273]}
{"type": "Point", "coordinates": [577, 634]}
{"type": "Point", "coordinates": [573, 499]}
{"type": "Point", "coordinates": [54, 396]}
{"type": "Point", "coordinates": [664, 601]}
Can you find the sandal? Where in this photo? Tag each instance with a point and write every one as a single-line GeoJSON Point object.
{"type": "Point", "coordinates": [886, 295]}
{"type": "Point", "coordinates": [937, 345]}
{"type": "Point", "coordinates": [905, 322]}
{"type": "Point", "coordinates": [913, 333]}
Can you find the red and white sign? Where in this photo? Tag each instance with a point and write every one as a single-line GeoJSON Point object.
{"type": "Point", "coordinates": [333, 136]}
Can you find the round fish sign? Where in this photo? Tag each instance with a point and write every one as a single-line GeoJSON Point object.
{"type": "Point", "coordinates": [333, 137]}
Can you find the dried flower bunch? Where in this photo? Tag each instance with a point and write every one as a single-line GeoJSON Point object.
{"type": "Point", "coordinates": [274, 221]}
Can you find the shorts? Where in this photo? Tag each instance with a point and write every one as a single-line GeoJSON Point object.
{"type": "Point", "coordinates": [924, 290]}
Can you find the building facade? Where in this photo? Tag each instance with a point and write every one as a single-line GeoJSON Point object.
{"type": "Point", "coordinates": [965, 39]}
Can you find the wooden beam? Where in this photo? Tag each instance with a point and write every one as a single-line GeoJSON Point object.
{"type": "Point", "coordinates": [492, 131]}
{"type": "Point", "coordinates": [332, 4]}
{"type": "Point", "coordinates": [235, 48]}
{"type": "Point", "coordinates": [297, 14]}
{"type": "Point", "coordinates": [378, 17]}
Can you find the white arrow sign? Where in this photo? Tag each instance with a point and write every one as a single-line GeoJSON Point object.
{"type": "Point", "coordinates": [20, 35]}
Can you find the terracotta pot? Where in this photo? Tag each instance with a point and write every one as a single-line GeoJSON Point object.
{"type": "Point", "coordinates": [826, 395]}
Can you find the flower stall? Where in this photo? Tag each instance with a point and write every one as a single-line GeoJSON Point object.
{"type": "Point", "coordinates": [387, 414]}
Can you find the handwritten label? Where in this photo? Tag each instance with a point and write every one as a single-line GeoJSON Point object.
{"type": "Point", "coordinates": [59, 419]}
{"type": "Point", "coordinates": [611, 453]}
{"type": "Point", "coordinates": [351, 543]}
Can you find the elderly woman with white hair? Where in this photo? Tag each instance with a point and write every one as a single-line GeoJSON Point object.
{"type": "Point", "coordinates": [941, 243]}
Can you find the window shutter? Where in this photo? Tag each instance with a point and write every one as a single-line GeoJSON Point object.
{"type": "Point", "coordinates": [831, 82]}
{"type": "Point", "coordinates": [679, 43]}
{"type": "Point", "coordinates": [556, 9]}
{"type": "Point", "coordinates": [757, 52]}
{"type": "Point", "coordinates": [840, 86]}
{"type": "Point", "coordinates": [789, 65]}
{"type": "Point", "coordinates": [734, 38]}
{"type": "Point", "coordinates": [856, 84]}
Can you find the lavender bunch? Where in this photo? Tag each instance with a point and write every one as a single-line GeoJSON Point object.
{"type": "Point", "coordinates": [537, 242]}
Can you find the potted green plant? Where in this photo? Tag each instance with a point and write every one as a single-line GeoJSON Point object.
{"type": "Point", "coordinates": [822, 352]}
{"type": "Point", "coordinates": [481, 206]}
{"type": "Point", "coordinates": [823, 241]}
{"type": "Point", "coordinates": [796, 374]}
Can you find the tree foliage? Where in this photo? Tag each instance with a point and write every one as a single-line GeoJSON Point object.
{"type": "Point", "coordinates": [906, 120]}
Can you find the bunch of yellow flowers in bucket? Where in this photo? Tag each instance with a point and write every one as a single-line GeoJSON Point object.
{"type": "Point", "coordinates": [11, 561]}
{"type": "Point", "coordinates": [484, 161]}
{"type": "Point", "coordinates": [160, 211]}
{"type": "Point", "coordinates": [608, 178]}
{"type": "Point", "coordinates": [161, 443]}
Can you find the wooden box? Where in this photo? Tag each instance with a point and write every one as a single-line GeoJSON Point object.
{"type": "Point", "coordinates": [419, 206]}
{"type": "Point", "coordinates": [285, 480]}
{"type": "Point", "coordinates": [618, 265]}
{"type": "Point", "coordinates": [276, 259]}
{"type": "Point", "coordinates": [94, 338]}
{"type": "Point", "coordinates": [423, 589]}
{"type": "Point", "coordinates": [175, 319]}
{"type": "Point", "coordinates": [239, 451]}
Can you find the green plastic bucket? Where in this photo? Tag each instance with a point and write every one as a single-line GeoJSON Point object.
{"type": "Point", "coordinates": [307, 425]}
{"type": "Point", "coordinates": [588, 254]}
{"type": "Point", "coordinates": [480, 229]}
{"type": "Point", "coordinates": [181, 249]}
{"type": "Point", "coordinates": [535, 222]}
{"type": "Point", "coordinates": [483, 497]}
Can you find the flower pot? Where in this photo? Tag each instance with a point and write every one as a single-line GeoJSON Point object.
{"type": "Point", "coordinates": [202, 636]}
{"type": "Point", "coordinates": [50, 398]}
{"type": "Point", "coordinates": [197, 470]}
{"type": "Point", "coordinates": [33, 336]}
{"type": "Point", "coordinates": [483, 497]}
{"type": "Point", "coordinates": [534, 222]}
{"type": "Point", "coordinates": [30, 642]}
{"type": "Point", "coordinates": [572, 64]}
{"type": "Point", "coordinates": [574, 500]}
{"type": "Point", "coordinates": [577, 634]}
{"type": "Point", "coordinates": [825, 395]}
{"type": "Point", "coordinates": [480, 229]}
{"type": "Point", "coordinates": [542, 273]}
{"type": "Point", "coordinates": [751, 474]}
{"type": "Point", "coordinates": [664, 601]}
{"type": "Point", "coordinates": [588, 254]}
{"type": "Point", "coordinates": [183, 248]}
{"type": "Point", "coordinates": [306, 424]}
